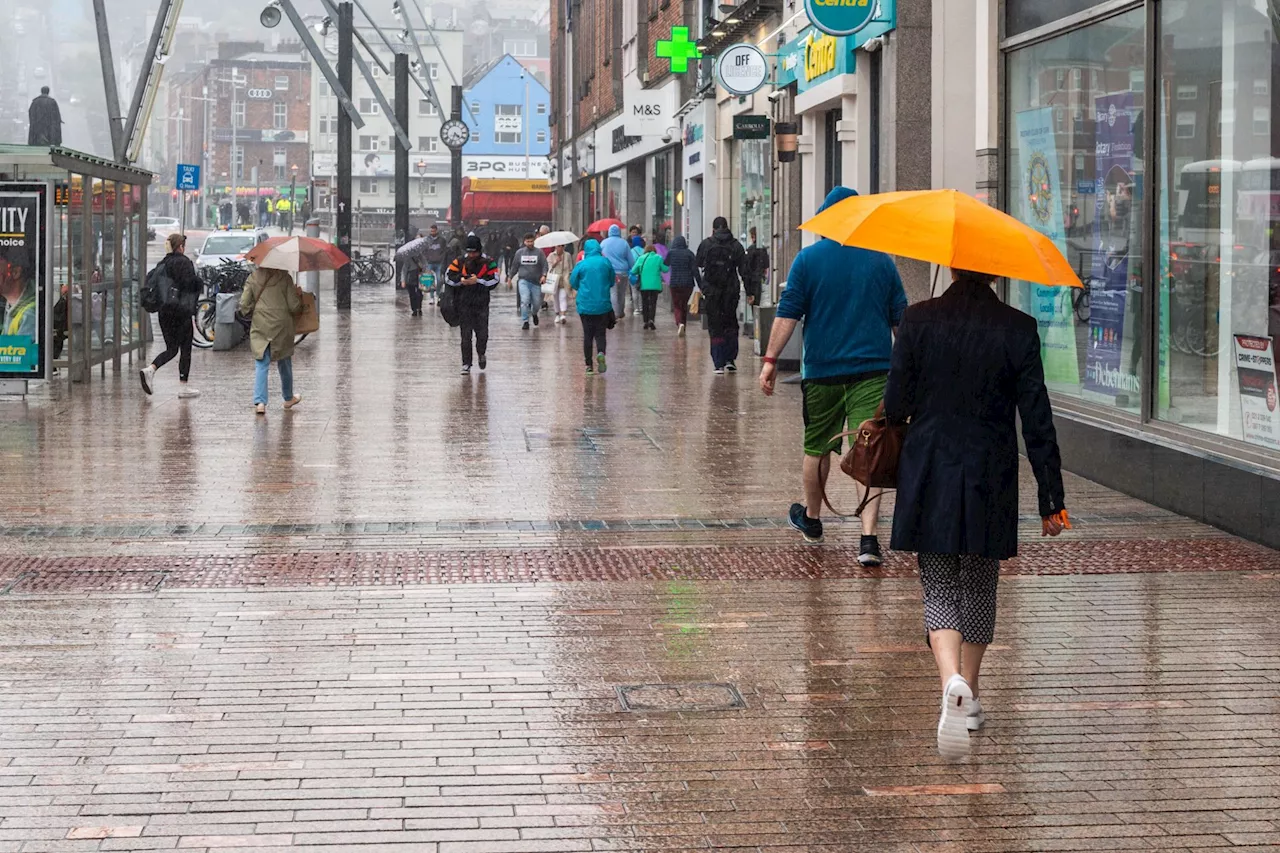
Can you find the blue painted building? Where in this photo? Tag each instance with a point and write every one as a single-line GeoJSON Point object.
{"type": "Point", "coordinates": [511, 125]}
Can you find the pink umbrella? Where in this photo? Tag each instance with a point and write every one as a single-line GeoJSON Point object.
{"type": "Point", "coordinates": [297, 254]}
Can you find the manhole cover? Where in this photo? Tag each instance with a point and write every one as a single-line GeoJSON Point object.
{"type": "Point", "coordinates": [680, 697]}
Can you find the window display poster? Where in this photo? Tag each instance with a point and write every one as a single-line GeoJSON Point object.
{"type": "Point", "coordinates": [1113, 223]}
{"type": "Point", "coordinates": [1042, 200]}
{"type": "Point", "coordinates": [1256, 371]}
{"type": "Point", "coordinates": [22, 231]}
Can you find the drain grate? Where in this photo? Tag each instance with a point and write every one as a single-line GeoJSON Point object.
{"type": "Point", "coordinates": [62, 582]}
{"type": "Point", "coordinates": [680, 697]}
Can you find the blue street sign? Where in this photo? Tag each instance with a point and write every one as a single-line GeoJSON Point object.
{"type": "Point", "coordinates": [188, 177]}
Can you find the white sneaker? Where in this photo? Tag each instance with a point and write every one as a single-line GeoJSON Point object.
{"type": "Point", "coordinates": [147, 374]}
{"type": "Point", "coordinates": [185, 393]}
{"type": "Point", "coordinates": [953, 729]}
{"type": "Point", "coordinates": [976, 718]}
{"type": "Point", "coordinates": [680, 331]}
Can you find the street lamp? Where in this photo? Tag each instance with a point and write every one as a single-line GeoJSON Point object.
{"type": "Point", "coordinates": [421, 168]}
{"type": "Point", "coordinates": [293, 194]}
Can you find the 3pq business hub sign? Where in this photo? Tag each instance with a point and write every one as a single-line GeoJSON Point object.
{"type": "Point", "coordinates": [841, 17]}
{"type": "Point", "coordinates": [22, 280]}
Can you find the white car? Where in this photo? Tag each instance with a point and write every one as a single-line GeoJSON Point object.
{"type": "Point", "coordinates": [226, 245]}
{"type": "Point", "coordinates": [163, 226]}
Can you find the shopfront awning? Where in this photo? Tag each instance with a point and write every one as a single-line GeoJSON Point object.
{"type": "Point", "coordinates": [480, 207]}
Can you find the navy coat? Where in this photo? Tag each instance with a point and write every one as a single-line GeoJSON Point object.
{"type": "Point", "coordinates": [964, 365]}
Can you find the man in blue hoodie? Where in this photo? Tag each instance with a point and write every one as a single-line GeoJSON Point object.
{"type": "Point", "coordinates": [851, 300]}
{"type": "Point", "coordinates": [591, 279]}
{"type": "Point", "coordinates": [617, 251]}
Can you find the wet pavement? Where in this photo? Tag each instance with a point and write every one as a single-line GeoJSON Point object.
{"type": "Point", "coordinates": [406, 616]}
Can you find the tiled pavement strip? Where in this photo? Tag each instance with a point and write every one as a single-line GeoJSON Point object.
{"type": "Point", "coordinates": [219, 634]}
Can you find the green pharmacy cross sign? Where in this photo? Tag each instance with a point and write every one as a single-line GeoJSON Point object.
{"type": "Point", "coordinates": [679, 49]}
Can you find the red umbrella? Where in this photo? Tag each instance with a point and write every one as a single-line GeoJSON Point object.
{"type": "Point", "coordinates": [297, 254]}
{"type": "Point", "coordinates": [601, 226]}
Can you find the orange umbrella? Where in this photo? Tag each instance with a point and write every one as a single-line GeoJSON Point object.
{"type": "Point", "coordinates": [297, 254]}
{"type": "Point", "coordinates": [948, 228]}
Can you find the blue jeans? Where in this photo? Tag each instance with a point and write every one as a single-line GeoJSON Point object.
{"type": "Point", "coordinates": [262, 368]}
{"type": "Point", "coordinates": [530, 299]}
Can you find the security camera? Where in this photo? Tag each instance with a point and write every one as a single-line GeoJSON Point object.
{"type": "Point", "coordinates": [775, 95]}
{"type": "Point", "coordinates": [872, 45]}
{"type": "Point", "coordinates": [666, 138]}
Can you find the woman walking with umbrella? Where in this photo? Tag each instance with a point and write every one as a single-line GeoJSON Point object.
{"type": "Point", "coordinates": [964, 367]}
{"type": "Point", "coordinates": [275, 302]}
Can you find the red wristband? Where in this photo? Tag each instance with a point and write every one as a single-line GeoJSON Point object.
{"type": "Point", "coordinates": [768, 359]}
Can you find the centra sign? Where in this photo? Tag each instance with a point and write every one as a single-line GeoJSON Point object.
{"type": "Point", "coordinates": [841, 17]}
{"type": "Point", "coordinates": [819, 55]}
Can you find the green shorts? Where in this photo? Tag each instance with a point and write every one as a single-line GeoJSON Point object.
{"type": "Point", "coordinates": [829, 405]}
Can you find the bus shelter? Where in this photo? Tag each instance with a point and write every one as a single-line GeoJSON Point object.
{"type": "Point", "coordinates": [73, 255]}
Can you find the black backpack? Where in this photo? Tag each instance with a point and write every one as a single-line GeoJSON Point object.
{"type": "Point", "coordinates": [156, 289]}
{"type": "Point", "coordinates": [721, 268]}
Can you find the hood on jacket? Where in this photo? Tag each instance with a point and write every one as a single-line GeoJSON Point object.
{"type": "Point", "coordinates": [592, 247]}
{"type": "Point", "coordinates": [679, 243]}
{"type": "Point", "coordinates": [615, 231]}
{"type": "Point", "coordinates": [837, 195]}
{"type": "Point", "coordinates": [637, 241]}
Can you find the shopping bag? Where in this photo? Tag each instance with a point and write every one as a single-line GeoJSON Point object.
{"type": "Point", "coordinates": [551, 284]}
{"type": "Point", "coordinates": [695, 302]}
{"type": "Point", "coordinates": [427, 281]}
{"type": "Point", "coordinates": [308, 320]}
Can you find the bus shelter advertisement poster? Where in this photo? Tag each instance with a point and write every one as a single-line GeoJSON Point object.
{"type": "Point", "coordinates": [1256, 372]}
{"type": "Point", "coordinates": [1115, 204]}
{"type": "Point", "coordinates": [1042, 201]}
{"type": "Point", "coordinates": [21, 281]}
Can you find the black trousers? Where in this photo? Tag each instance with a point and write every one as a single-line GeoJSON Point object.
{"type": "Point", "coordinates": [475, 324]}
{"type": "Point", "coordinates": [415, 293]}
{"type": "Point", "coordinates": [594, 329]}
{"type": "Point", "coordinates": [178, 334]}
{"type": "Point", "coordinates": [649, 304]}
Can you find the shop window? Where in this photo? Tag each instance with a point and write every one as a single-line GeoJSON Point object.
{"type": "Point", "coordinates": [1023, 15]}
{"type": "Point", "coordinates": [1091, 340]}
{"type": "Point", "coordinates": [1218, 300]}
{"type": "Point", "coordinates": [1186, 125]}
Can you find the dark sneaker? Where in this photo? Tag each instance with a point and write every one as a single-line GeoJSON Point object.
{"type": "Point", "coordinates": [731, 367]}
{"type": "Point", "coordinates": [525, 326]}
{"type": "Point", "coordinates": [484, 361]}
{"type": "Point", "coordinates": [869, 552]}
{"type": "Point", "coordinates": [535, 319]}
{"type": "Point", "coordinates": [810, 527]}
{"type": "Point", "coordinates": [466, 370]}
{"type": "Point", "coordinates": [591, 371]}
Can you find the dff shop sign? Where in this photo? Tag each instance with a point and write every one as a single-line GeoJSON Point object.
{"type": "Point", "coordinates": [841, 17]}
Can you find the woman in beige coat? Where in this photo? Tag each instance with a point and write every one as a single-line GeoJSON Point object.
{"type": "Point", "coordinates": [560, 262]}
{"type": "Point", "coordinates": [274, 301]}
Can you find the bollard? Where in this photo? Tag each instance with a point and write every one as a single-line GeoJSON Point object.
{"type": "Point", "coordinates": [310, 281]}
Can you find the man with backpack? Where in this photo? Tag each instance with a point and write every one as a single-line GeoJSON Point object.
{"type": "Point", "coordinates": [723, 262]}
{"type": "Point", "coordinates": [172, 291]}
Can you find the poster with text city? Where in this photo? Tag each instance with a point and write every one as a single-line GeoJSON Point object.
{"type": "Point", "coordinates": [1041, 188]}
{"type": "Point", "coordinates": [22, 285]}
{"type": "Point", "coordinates": [1114, 209]}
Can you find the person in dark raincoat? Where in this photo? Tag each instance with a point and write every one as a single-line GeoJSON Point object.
{"type": "Point", "coordinates": [964, 366]}
{"type": "Point", "coordinates": [724, 266]}
{"type": "Point", "coordinates": [474, 275]}
{"type": "Point", "coordinates": [45, 120]}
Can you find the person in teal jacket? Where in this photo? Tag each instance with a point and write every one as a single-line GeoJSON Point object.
{"type": "Point", "coordinates": [593, 280]}
{"type": "Point", "coordinates": [648, 270]}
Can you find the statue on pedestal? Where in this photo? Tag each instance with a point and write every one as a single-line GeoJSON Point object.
{"type": "Point", "coordinates": [46, 120]}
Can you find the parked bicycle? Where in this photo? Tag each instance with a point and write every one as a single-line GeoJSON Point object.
{"type": "Point", "coordinates": [371, 269]}
{"type": "Point", "coordinates": [228, 277]}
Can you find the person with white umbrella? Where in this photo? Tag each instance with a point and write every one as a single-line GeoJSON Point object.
{"type": "Point", "coordinates": [559, 266]}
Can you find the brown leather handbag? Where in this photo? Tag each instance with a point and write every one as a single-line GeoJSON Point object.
{"type": "Point", "coordinates": [872, 457]}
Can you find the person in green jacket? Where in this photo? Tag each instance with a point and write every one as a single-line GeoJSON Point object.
{"type": "Point", "coordinates": [274, 301]}
{"type": "Point", "coordinates": [648, 270]}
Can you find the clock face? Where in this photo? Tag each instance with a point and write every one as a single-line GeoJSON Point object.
{"type": "Point", "coordinates": [455, 133]}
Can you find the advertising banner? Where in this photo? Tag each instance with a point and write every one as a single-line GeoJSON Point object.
{"type": "Point", "coordinates": [1256, 371]}
{"type": "Point", "coordinates": [1105, 370]}
{"type": "Point", "coordinates": [1041, 186]}
{"type": "Point", "coordinates": [22, 280]}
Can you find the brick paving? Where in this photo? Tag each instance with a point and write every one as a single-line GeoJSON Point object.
{"type": "Point", "coordinates": [404, 616]}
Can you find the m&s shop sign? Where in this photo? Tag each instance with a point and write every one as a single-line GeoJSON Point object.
{"type": "Point", "coordinates": [841, 17]}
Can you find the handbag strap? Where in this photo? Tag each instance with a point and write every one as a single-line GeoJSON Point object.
{"type": "Point", "coordinates": [869, 497]}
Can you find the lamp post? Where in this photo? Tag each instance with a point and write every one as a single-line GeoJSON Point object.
{"type": "Point", "coordinates": [293, 194]}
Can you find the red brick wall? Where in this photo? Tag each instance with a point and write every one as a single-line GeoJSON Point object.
{"type": "Point", "coordinates": [667, 14]}
{"type": "Point", "coordinates": [259, 115]}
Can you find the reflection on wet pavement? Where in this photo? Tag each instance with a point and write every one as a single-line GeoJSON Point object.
{"type": "Point", "coordinates": [403, 617]}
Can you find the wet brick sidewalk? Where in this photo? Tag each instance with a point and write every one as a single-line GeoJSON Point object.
{"type": "Point", "coordinates": [405, 616]}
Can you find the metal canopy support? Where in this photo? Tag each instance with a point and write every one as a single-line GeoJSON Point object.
{"type": "Point", "coordinates": [342, 219]}
{"type": "Point", "coordinates": [344, 96]}
{"type": "Point", "coordinates": [114, 118]}
{"type": "Point", "coordinates": [389, 45]}
{"type": "Point", "coordinates": [435, 41]}
{"type": "Point", "coordinates": [387, 110]}
{"type": "Point", "coordinates": [147, 71]}
{"type": "Point", "coordinates": [402, 150]}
